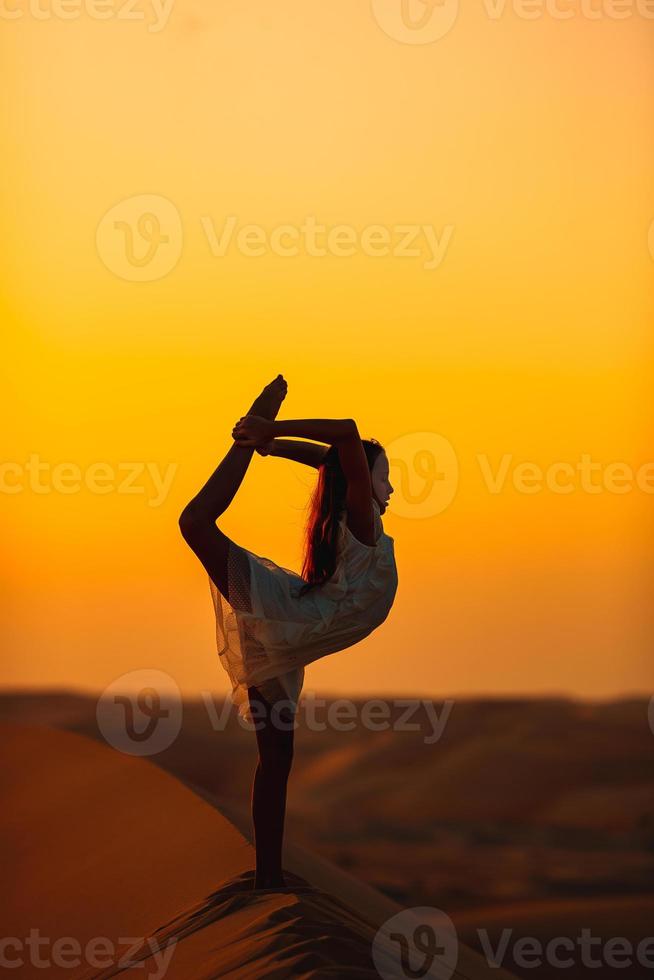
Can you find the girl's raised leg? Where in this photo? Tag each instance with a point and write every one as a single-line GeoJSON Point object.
{"type": "Point", "coordinates": [218, 492]}
{"type": "Point", "coordinates": [197, 521]}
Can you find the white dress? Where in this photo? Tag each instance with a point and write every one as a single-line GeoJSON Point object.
{"type": "Point", "coordinates": [267, 633]}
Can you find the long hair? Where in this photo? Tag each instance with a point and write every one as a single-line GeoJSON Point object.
{"type": "Point", "coordinates": [326, 508]}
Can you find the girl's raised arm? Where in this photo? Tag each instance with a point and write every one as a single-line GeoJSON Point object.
{"type": "Point", "coordinates": [309, 453]}
{"type": "Point", "coordinates": [343, 433]}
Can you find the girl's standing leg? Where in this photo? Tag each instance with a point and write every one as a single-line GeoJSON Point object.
{"type": "Point", "coordinates": [274, 725]}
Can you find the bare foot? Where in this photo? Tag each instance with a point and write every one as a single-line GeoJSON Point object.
{"type": "Point", "coordinates": [270, 881]}
{"type": "Point", "coordinates": [269, 401]}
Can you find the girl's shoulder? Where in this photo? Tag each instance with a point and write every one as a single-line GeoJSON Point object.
{"type": "Point", "coordinates": [350, 540]}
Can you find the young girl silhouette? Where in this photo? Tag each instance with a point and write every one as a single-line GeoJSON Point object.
{"type": "Point", "coordinates": [270, 621]}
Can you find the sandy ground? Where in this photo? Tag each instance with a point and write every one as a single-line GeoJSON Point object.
{"type": "Point", "coordinates": [113, 866]}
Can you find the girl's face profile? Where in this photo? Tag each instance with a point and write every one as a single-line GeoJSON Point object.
{"type": "Point", "coordinates": [381, 484]}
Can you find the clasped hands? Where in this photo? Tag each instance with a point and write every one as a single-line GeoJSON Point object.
{"type": "Point", "coordinates": [255, 432]}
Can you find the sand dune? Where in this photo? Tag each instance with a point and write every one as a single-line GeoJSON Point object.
{"type": "Point", "coordinates": [110, 861]}
{"type": "Point", "coordinates": [472, 829]}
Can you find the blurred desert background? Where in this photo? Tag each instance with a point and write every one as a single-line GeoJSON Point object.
{"type": "Point", "coordinates": [535, 816]}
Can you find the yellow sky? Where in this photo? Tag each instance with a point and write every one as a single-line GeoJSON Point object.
{"type": "Point", "coordinates": [517, 156]}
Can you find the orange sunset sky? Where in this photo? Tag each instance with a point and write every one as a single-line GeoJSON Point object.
{"type": "Point", "coordinates": [523, 145]}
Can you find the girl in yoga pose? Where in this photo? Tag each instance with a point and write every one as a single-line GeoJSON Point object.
{"type": "Point", "coordinates": [270, 621]}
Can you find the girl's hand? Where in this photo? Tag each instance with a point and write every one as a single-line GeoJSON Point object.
{"type": "Point", "coordinates": [267, 448]}
{"type": "Point", "coordinates": [252, 431]}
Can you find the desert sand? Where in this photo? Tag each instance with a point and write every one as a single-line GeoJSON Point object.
{"type": "Point", "coordinates": [106, 849]}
